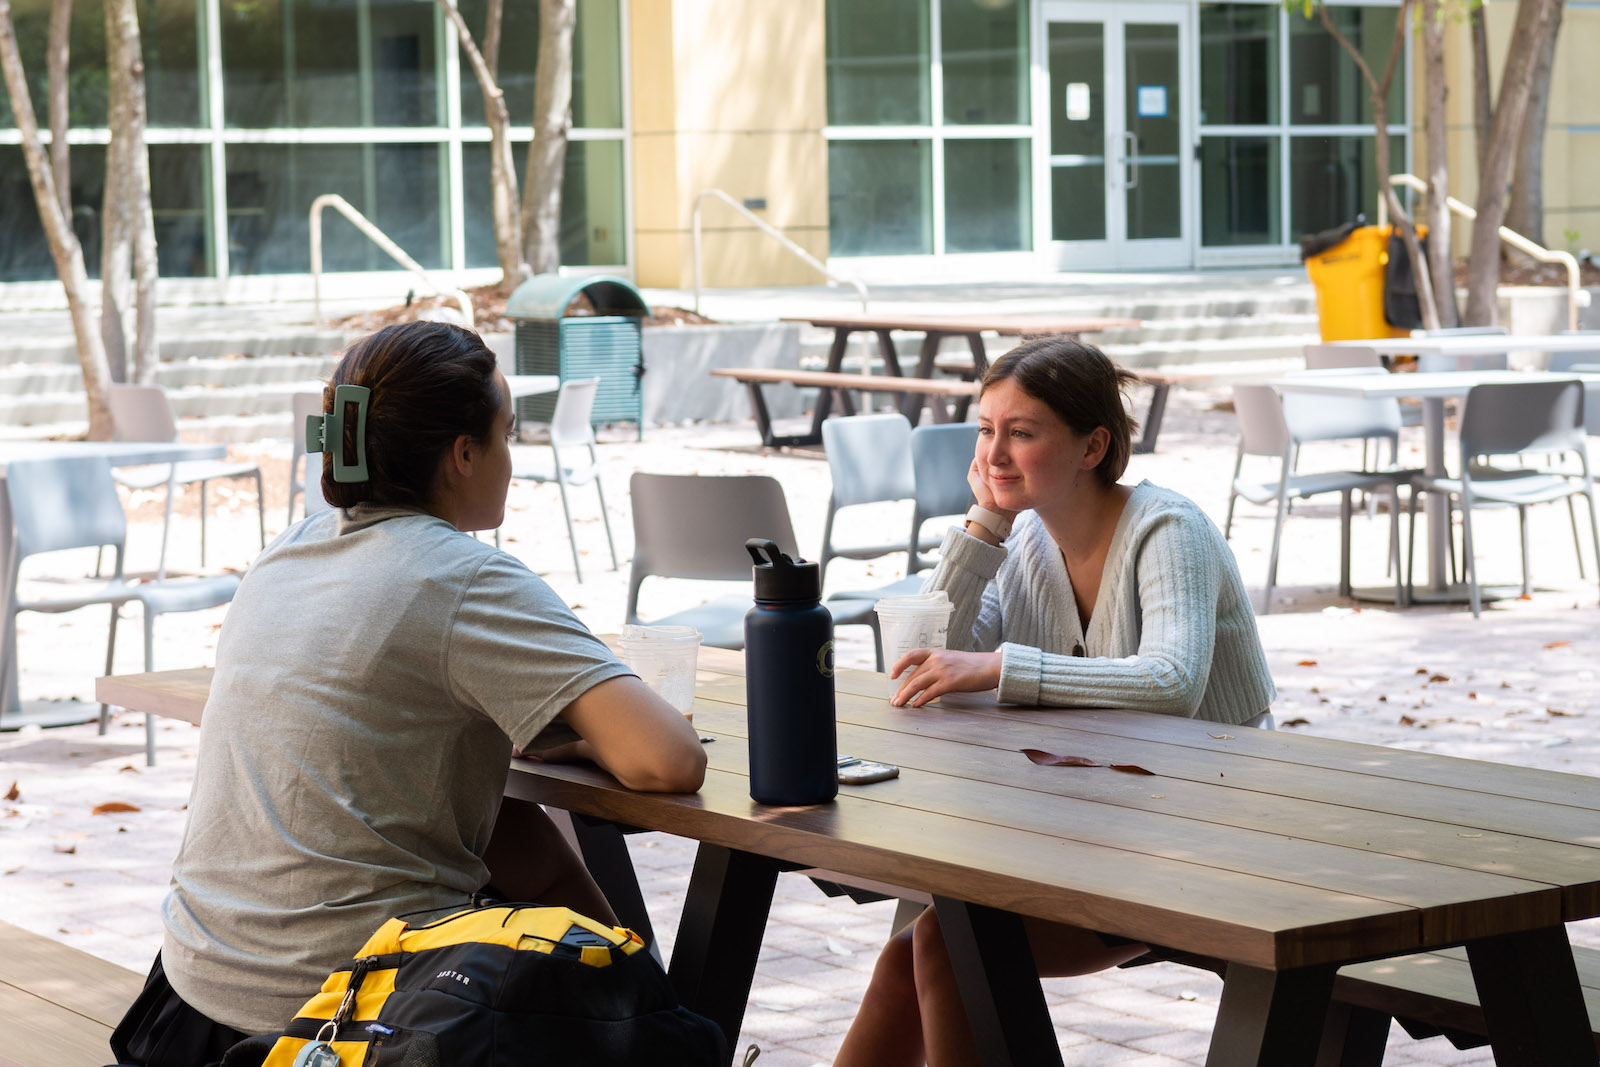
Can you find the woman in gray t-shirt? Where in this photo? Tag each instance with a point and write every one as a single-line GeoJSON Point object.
{"type": "Point", "coordinates": [375, 672]}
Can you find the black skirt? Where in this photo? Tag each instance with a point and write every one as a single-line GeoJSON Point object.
{"type": "Point", "coordinates": [161, 1030]}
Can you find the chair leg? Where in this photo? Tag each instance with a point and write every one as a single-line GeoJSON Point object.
{"type": "Point", "coordinates": [1469, 557]}
{"type": "Point", "coordinates": [1594, 526]}
{"type": "Point", "coordinates": [1577, 543]}
{"type": "Point", "coordinates": [561, 484]}
{"type": "Point", "coordinates": [149, 665]}
{"type": "Point", "coordinates": [111, 651]}
{"type": "Point", "coordinates": [1400, 597]}
{"type": "Point", "coordinates": [166, 529]}
{"type": "Point", "coordinates": [1346, 511]}
{"type": "Point", "coordinates": [202, 524]}
{"type": "Point", "coordinates": [261, 509]}
{"type": "Point", "coordinates": [605, 519]}
{"type": "Point", "coordinates": [1411, 540]}
{"type": "Point", "coordinates": [1277, 538]}
{"type": "Point", "coordinates": [827, 541]}
{"type": "Point", "coordinates": [1522, 532]}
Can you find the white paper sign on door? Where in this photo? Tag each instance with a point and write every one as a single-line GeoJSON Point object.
{"type": "Point", "coordinates": [1078, 101]}
{"type": "Point", "coordinates": [1152, 101]}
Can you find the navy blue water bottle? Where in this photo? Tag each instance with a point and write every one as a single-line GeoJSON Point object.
{"type": "Point", "coordinates": [788, 672]}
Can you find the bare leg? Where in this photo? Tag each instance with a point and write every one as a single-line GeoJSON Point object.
{"type": "Point", "coordinates": [528, 859]}
{"type": "Point", "coordinates": [888, 1027]}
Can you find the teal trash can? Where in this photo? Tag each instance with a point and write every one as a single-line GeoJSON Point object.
{"type": "Point", "coordinates": [604, 343]}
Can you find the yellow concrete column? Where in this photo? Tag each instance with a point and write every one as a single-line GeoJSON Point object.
{"type": "Point", "coordinates": [728, 94]}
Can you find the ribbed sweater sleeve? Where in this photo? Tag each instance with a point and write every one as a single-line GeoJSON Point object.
{"type": "Point", "coordinates": [966, 572]}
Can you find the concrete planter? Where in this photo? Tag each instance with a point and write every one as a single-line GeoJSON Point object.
{"type": "Point", "coordinates": [678, 360]}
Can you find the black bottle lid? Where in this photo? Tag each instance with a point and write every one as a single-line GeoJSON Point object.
{"type": "Point", "coordinates": [779, 578]}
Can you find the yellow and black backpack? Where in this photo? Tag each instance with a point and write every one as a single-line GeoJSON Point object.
{"type": "Point", "coordinates": [492, 987]}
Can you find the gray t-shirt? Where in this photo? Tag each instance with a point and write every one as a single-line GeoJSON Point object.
{"type": "Point", "coordinates": [373, 672]}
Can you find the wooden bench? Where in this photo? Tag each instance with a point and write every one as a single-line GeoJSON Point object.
{"type": "Point", "coordinates": [58, 1005]}
{"type": "Point", "coordinates": [962, 390]}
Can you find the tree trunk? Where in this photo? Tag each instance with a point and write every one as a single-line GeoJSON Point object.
{"type": "Point", "coordinates": [64, 247]}
{"type": "Point", "coordinates": [1482, 98]}
{"type": "Point", "coordinates": [491, 37]}
{"type": "Point", "coordinates": [502, 171]}
{"type": "Point", "coordinates": [127, 88]}
{"type": "Point", "coordinates": [1535, 21]}
{"type": "Point", "coordinates": [116, 218]}
{"type": "Point", "coordinates": [1525, 212]}
{"type": "Point", "coordinates": [1441, 268]}
{"type": "Point", "coordinates": [60, 49]}
{"type": "Point", "coordinates": [552, 119]}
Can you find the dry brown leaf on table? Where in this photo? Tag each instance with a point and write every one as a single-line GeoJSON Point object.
{"type": "Point", "coordinates": [13, 793]}
{"type": "Point", "coordinates": [1297, 722]}
{"type": "Point", "coordinates": [111, 807]}
{"type": "Point", "coordinates": [1050, 759]}
{"type": "Point", "coordinates": [1131, 768]}
{"type": "Point", "coordinates": [1306, 663]}
{"type": "Point", "coordinates": [1558, 644]}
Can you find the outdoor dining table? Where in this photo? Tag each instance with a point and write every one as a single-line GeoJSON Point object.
{"type": "Point", "coordinates": [1282, 856]}
{"type": "Point", "coordinates": [1433, 389]}
{"type": "Point", "coordinates": [119, 454]}
{"type": "Point", "coordinates": [1466, 347]}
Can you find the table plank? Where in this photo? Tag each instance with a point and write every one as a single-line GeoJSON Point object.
{"type": "Point", "coordinates": [1015, 325]}
{"type": "Point", "coordinates": [170, 694]}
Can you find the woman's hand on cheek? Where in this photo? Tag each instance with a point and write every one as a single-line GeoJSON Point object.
{"type": "Point", "coordinates": [978, 479]}
{"type": "Point", "coordinates": [926, 674]}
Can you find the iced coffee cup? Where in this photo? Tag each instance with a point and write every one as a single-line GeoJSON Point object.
{"type": "Point", "coordinates": [664, 658]}
{"type": "Point", "coordinates": [918, 620]}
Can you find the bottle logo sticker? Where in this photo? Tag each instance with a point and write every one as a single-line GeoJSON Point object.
{"type": "Point", "coordinates": [825, 660]}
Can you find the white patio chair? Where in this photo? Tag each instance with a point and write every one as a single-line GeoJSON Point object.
{"type": "Point", "coordinates": [305, 474]}
{"type": "Point", "coordinates": [143, 413]}
{"type": "Point", "coordinates": [869, 460]}
{"type": "Point", "coordinates": [1273, 426]}
{"type": "Point", "coordinates": [570, 429]}
{"type": "Point", "coordinates": [1515, 419]}
{"type": "Point", "coordinates": [68, 503]}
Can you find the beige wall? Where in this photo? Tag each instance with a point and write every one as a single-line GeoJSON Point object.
{"type": "Point", "coordinates": [1572, 130]}
{"type": "Point", "coordinates": [727, 94]}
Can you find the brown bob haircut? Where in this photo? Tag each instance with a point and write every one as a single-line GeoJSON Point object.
{"type": "Point", "coordinates": [1078, 383]}
{"type": "Point", "coordinates": [431, 383]}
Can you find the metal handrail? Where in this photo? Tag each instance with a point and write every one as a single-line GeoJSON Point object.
{"type": "Point", "coordinates": [771, 231]}
{"type": "Point", "coordinates": [379, 238]}
{"type": "Point", "coordinates": [1576, 297]}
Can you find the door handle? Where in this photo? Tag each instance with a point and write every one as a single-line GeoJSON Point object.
{"type": "Point", "coordinates": [1131, 141]}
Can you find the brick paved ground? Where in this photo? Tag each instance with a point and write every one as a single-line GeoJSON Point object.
{"type": "Point", "coordinates": [1520, 689]}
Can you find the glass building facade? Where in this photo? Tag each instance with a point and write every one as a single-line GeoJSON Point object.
{"type": "Point", "coordinates": [258, 106]}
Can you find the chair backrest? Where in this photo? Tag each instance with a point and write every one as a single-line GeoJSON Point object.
{"type": "Point", "coordinates": [1442, 363]}
{"type": "Point", "coordinates": [570, 424]}
{"type": "Point", "coordinates": [695, 526]}
{"type": "Point", "coordinates": [1339, 418]}
{"type": "Point", "coordinates": [1330, 357]}
{"type": "Point", "coordinates": [1522, 417]}
{"type": "Point", "coordinates": [64, 502]}
{"type": "Point", "coordinates": [1262, 429]}
{"type": "Point", "coordinates": [869, 458]}
{"type": "Point", "coordinates": [143, 413]}
{"type": "Point", "coordinates": [941, 455]}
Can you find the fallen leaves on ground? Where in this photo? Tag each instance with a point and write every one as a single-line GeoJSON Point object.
{"type": "Point", "coordinates": [1558, 644]}
{"type": "Point", "coordinates": [1307, 663]}
{"type": "Point", "coordinates": [1559, 713]}
{"type": "Point", "coordinates": [13, 793]}
{"type": "Point", "coordinates": [1438, 677]}
{"type": "Point", "coordinates": [1050, 759]}
{"type": "Point", "coordinates": [1406, 720]}
{"type": "Point", "coordinates": [1297, 722]}
{"type": "Point", "coordinates": [112, 807]}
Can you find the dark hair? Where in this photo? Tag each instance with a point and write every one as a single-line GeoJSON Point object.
{"type": "Point", "coordinates": [431, 382]}
{"type": "Point", "coordinates": [1078, 383]}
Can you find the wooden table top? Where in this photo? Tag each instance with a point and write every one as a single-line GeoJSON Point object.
{"type": "Point", "coordinates": [1012, 324]}
{"type": "Point", "coordinates": [1268, 848]}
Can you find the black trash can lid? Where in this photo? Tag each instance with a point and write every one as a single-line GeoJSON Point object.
{"type": "Point", "coordinates": [1314, 244]}
{"type": "Point", "coordinates": [546, 296]}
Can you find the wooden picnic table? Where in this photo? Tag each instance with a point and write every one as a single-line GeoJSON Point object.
{"type": "Point", "coordinates": [1286, 856]}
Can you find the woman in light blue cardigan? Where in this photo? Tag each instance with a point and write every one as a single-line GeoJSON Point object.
{"type": "Point", "coordinates": [1072, 590]}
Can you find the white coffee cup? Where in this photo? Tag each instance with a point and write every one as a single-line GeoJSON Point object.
{"type": "Point", "coordinates": [664, 658]}
{"type": "Point", "coordinates": [919, 620]}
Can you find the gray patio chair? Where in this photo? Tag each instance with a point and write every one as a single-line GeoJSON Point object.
{"type": "Point", "coordinates": [570, 429]}
{"type": "Point", "coordinates": [695, 526]}
{"type": "Point", "coordinates": [143, 413]}
{"type": "Point", "coordinates": [869, 460]}
{"type": "Point", "coordinates": [61, 504]}
{"type": "Point", "coordinates": [1272, 426]}
{"type": "Point", "coordinates": [305, 475]}
{"type": "Point", "coordinates": [1521, 419]}
{"type": "Point", "coordinates": [941, 455]}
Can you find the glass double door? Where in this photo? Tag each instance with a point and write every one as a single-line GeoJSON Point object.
{"type": "Point", "coordinates": [1120, 131]}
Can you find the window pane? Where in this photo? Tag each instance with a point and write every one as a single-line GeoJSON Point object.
{"type": "Point", "coordinates": [1238, 64]}
{"type": "Point", "coordinates": [596, 63]}
{"type": "Point", "coordinates": [1239, 195]}
{"type": "Point", "coordinates": [985, 56]}
{"type": "Point", "coordinates": [1077, 89]}
{"type": "Point", "coordinates": [877, 62]}
{"type": "Point", "coordinates": [879, 195]}
{"type": "Point", "coordinates": [593, 225]}
{"type": "Point", "coordinates": [1326, 87]}
{"type": "Point", "coordinates": [987, 196]}
{"type": "Point", "coordinates": [295, 63]}
{"type": "Point", "coordinates": [270, 189]}
{"type": "Point", "coordinates": [1332, 180]}
{"type": "Point", "coordinates": [178, 186]}
{"type": "Point", "coordinates": [1078, 203]}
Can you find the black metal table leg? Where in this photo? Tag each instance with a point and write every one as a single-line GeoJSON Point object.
{"type": "Point", "coordinates": [1152, 418]}
{"type": "Point", "coordinates": [1353, 1037]}
{"type": "Point", "coordinates": [719, 936]}
{"type": "Point", "coordinates": [1532, 1003]}
{"type": "Point", "coordinates": [911, 403]}
{"type": "Point", "coordinates": [999, 984]}
{"type": "Point", "coordinates": [758, 407]}
{"type": "Point", "coordinates": [1270, 1018]}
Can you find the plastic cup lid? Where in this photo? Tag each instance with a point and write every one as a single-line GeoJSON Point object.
{"type": "Point", "coordinates": [660, 635]}
{"type": "Point", "coordinates": [938, 600]}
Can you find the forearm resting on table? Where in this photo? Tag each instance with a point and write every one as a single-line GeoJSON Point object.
{"type": "Point", "coordinates": [637, 737]}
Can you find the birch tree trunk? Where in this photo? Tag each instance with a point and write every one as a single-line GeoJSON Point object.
{"type": "Point", "coordinates": [60, 49]}
{"type": "Point", "coordinates": [502, 171]}
{"type": "Point", "coordinates": [1482, 96]}
{"type": "Point", "coordinates": [146, 268]}
{"type": "Point", "coordinates": [64, 247]}
{"type": "Point", "coordinates": [1441, 268]}
{"type": "Point", "coordinates": [116, 219]}
{"type": "Point", "coordinates": [1536, 20]}
{"type": "Point", "coordinates": [1525, 212]}
{"type": "Point", "coordinates": [552, 120]}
